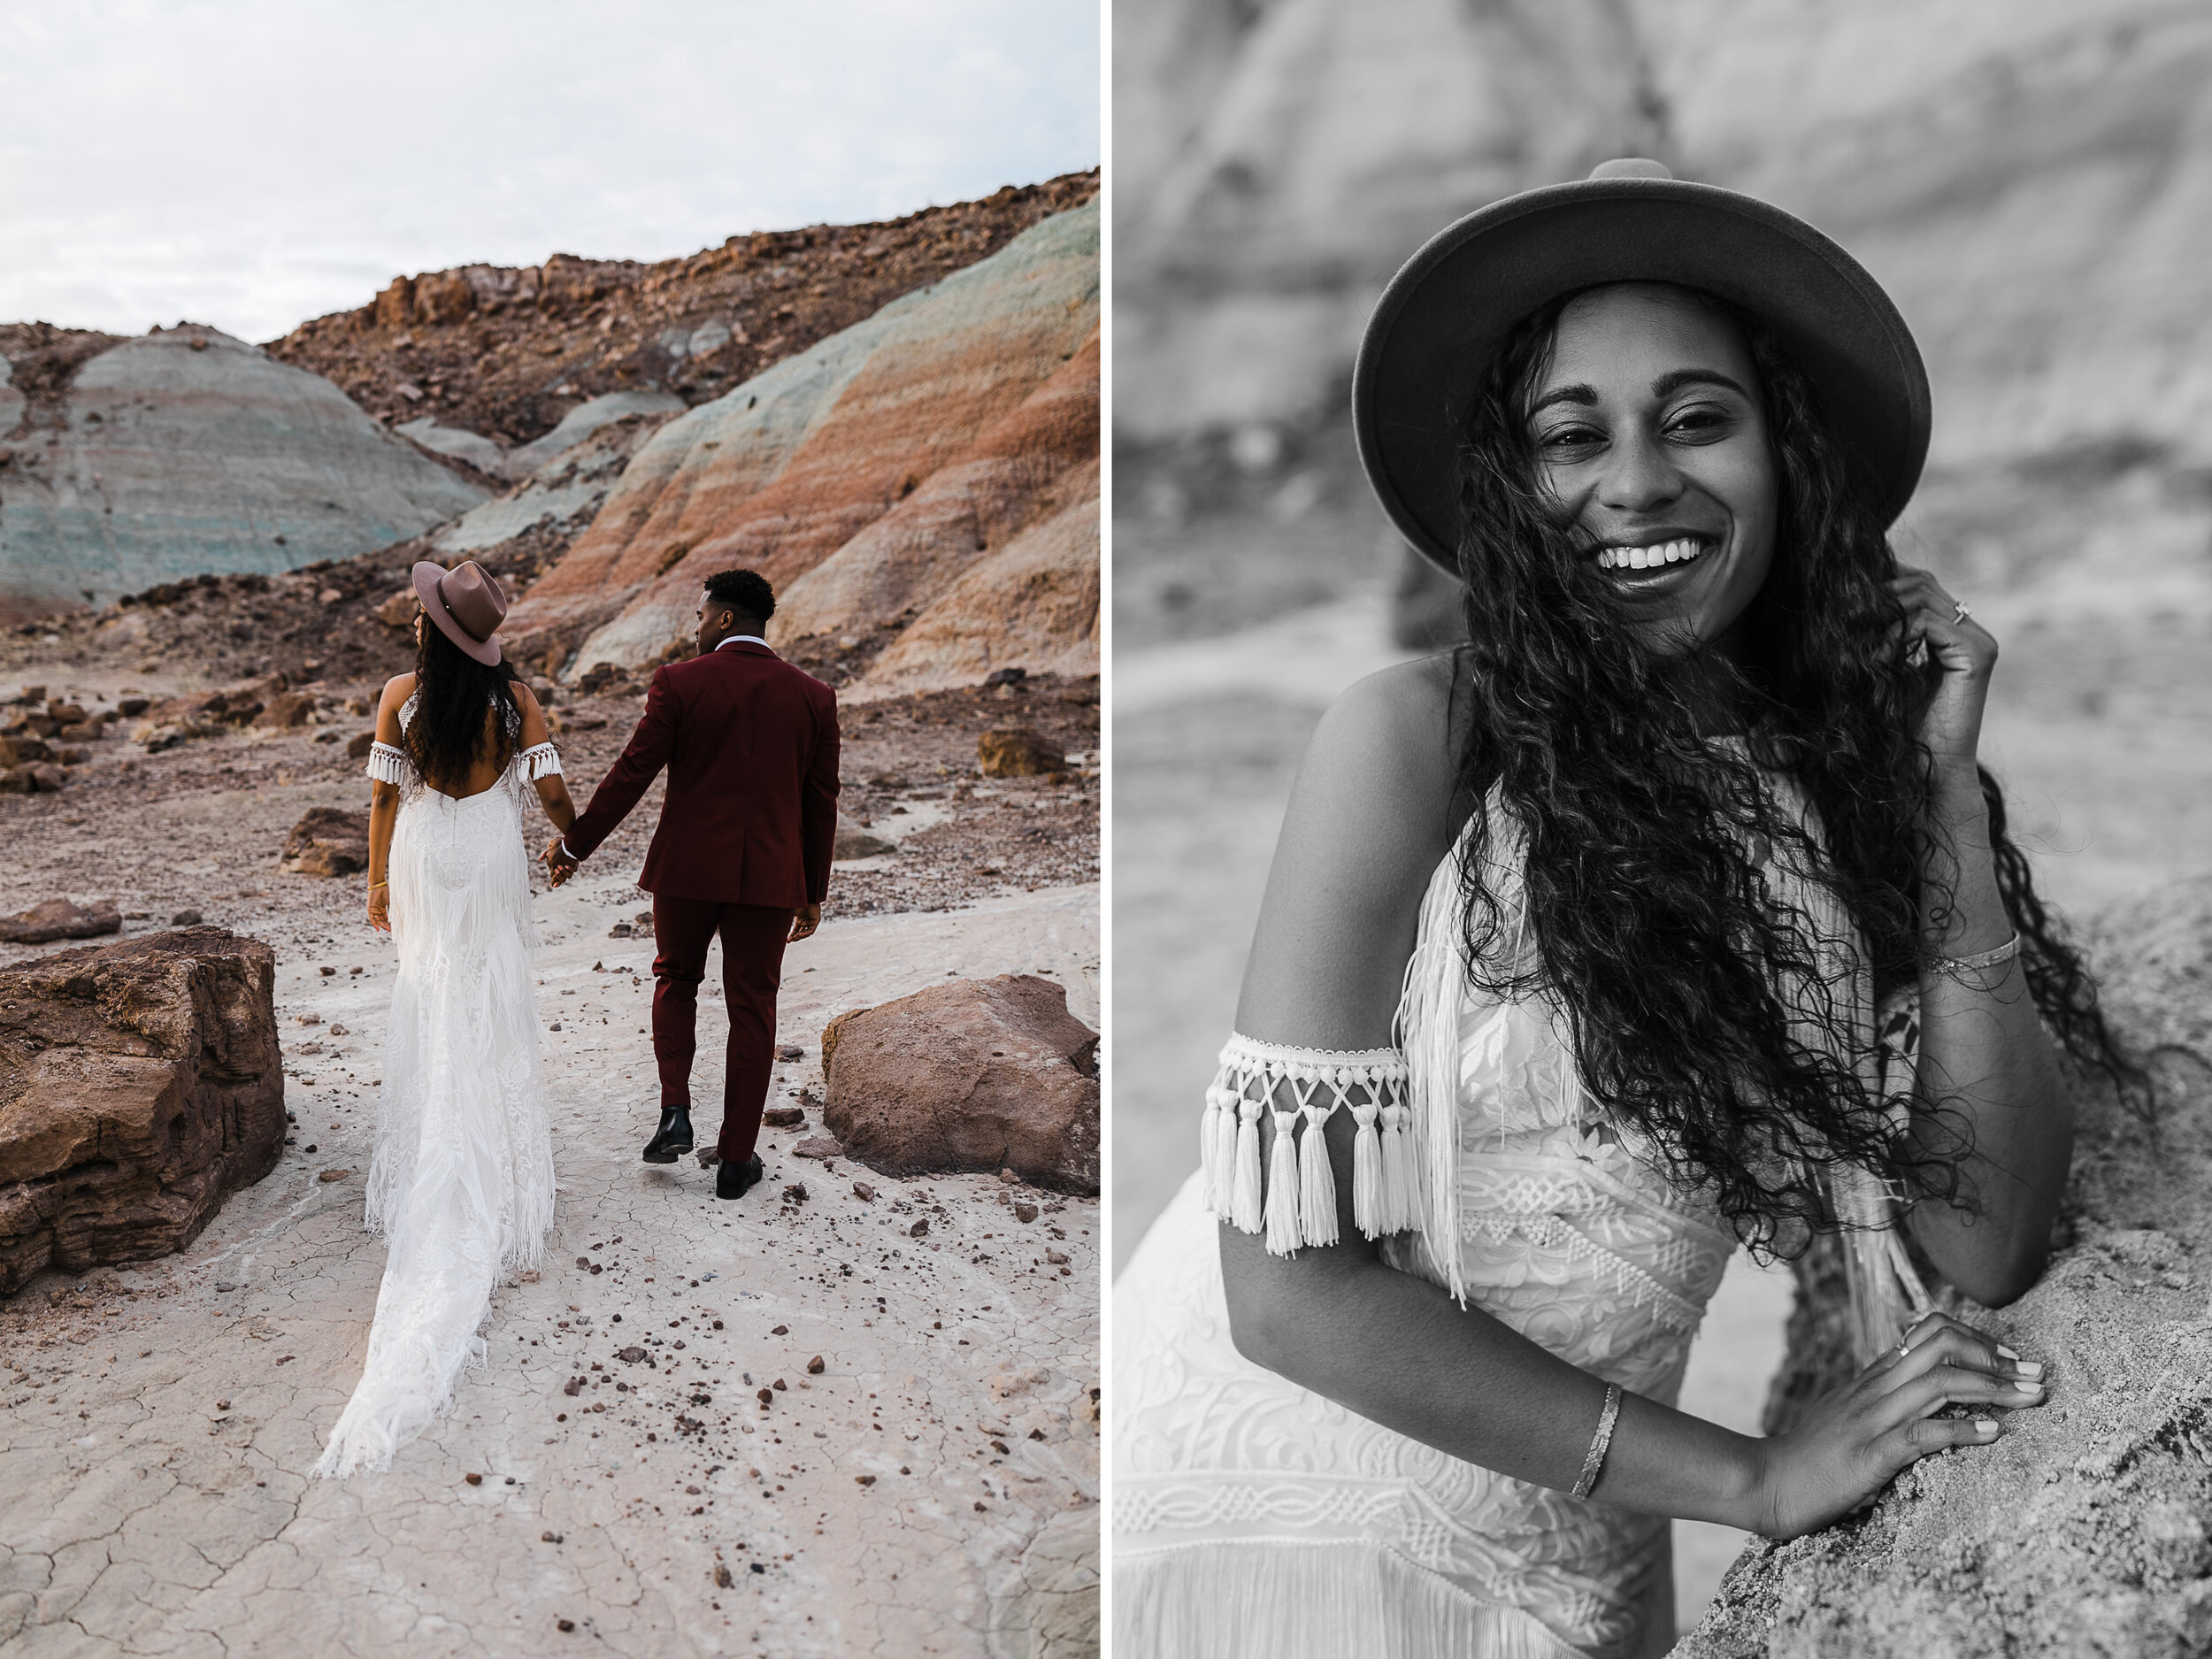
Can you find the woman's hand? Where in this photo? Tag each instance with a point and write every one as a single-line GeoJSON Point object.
{"type": "Point", "coordinates": [1964, 652]}
{"type": "Point", "coordinates": [380, 906]}
{"type": "Point", "coordinates": [1859, 1437]}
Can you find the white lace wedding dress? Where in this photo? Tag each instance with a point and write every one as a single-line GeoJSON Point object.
{"type": "Point", "coordinates": [461, 1184]}
{"type": "Point", "coordinates": [1252, 1517]}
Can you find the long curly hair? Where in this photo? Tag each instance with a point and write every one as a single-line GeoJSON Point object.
{"type": "Point", "coordinates": [448, 733]}
{"type": "Point", "coordinates": [1692, 996]}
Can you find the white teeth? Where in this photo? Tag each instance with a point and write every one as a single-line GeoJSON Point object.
{"type": "Point", "coordinates": [1676, 552]}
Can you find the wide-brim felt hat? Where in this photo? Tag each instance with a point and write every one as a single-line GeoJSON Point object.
{"type": "Point", "coordinates": [467, 604]}
{"type": "Point", "coordinates": [1451, 306]}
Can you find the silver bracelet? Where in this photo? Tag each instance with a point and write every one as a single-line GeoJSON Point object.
{"type": "Point", "coordinates": [1593, 1460]}
{"type": "Point", "coordinates": [1954, 967]}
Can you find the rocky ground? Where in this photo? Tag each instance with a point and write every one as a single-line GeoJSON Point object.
{"type": "Point", "coordinates": [931, 1489]}
{"type": "Point", "coordinates": [507, 352]}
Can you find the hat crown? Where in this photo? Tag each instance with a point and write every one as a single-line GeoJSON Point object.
{"type": "Point", "coordinates": [1632, 168]}
{"type": "Point", "coordinates": [473, 599]}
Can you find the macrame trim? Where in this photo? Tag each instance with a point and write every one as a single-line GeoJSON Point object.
{"type": "Point", "coordinates": [1296, 1204]}
{"type": "Point", "coordinates": [390, 766]}
{"type": "Point", "coordinates": [540, 760]}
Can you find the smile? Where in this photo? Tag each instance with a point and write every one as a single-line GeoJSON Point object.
{"type": "Point", "coordinates": [1681, 552]}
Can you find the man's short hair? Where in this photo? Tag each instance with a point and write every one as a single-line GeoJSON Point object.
{"type": "Point", "coordinates": [746, 592]}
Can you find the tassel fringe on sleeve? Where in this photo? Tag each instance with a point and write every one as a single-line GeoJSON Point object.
{"type": "Point", "coordinates": [1295, 1203]}
{"type": "Point", "coordinates": [540, 760]}
{"type": "Point", "coordinates": [387, 764]}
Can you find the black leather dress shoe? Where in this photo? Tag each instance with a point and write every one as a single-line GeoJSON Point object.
{"type": "Point", "coordinates": [673, 1139]}
{"type": "Point", "coordinates": [735, 1180]}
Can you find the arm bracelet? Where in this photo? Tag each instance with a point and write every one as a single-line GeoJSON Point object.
{"type": "Point", "coordinates": [1954, 967]}
{"type": "Point", "coordinates": [1593, 1460]}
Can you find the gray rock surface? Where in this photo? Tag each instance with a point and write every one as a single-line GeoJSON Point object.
{"type": "Point", "coordinates": [188, 451]}
{"type": "Point", "coordinates": [2084, 1529]}
{"type": "Point", "coordinates": [140, 1086]}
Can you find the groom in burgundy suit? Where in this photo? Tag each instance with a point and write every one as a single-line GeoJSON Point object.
{"type": "Point", "coordinates": [743, 851]}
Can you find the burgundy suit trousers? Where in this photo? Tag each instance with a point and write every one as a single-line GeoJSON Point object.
{"type": "Point", "coordinates": [753, 938]}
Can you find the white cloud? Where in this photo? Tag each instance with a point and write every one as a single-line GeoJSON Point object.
{"type": "Point", "coordinates": [253, 163]}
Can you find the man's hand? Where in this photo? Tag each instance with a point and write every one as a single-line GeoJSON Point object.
{"type": "Point", "coordinates": [804, 920]}
{"type": "Point", "coordinates": [558, 865]}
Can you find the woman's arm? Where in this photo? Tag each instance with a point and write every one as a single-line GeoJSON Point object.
{"type": "Point", "coordinates": [384, 805]}
{"type": "Point", "coordinates": [552, 788]}
{"type": "Point", "coordinates": [1370, 817]}
{"type": "Point", "coordinates": [1986, 1065]}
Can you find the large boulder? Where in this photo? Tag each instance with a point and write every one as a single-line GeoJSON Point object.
{"type": "Point", "coordinates": [978, 1074]}
{"type": "Point", "coordinates": [140, 1083]}
{"type": "Point", "coordinates": [2084, 1528]}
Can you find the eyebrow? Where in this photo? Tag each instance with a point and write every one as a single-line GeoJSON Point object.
{"type": "Point", "coordinates": [1665, 385]}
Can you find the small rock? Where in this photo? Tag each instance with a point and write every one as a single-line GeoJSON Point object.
{"type": "Point", "coordinates": [865, 1480]}
{"type": "Point", "coordinates": [334, 1175]}
{"type": "Point", "coordinates": [784, 1117]}
{"type": "Point", "coordinates": [1018, 753]}
{"type": "Point", "coordinates": [222, 1405]}
{"type": "Point", "coordinates": [1005, 676]}
{"type": "Point", "coordinates": [1009, 1177]}
{"type": "Point", "coordinates": [919, 1230]}
{"type": "Point", "coordinates": [620, 929]}
{"type": "Point", "coordinates": [1057, 1258]}
{"type": "Point", "coordinates": [817, 1147]}
{"type": "Point", "coordinates": [185, 918]}
{"type": "Point", "coordinates": [549, 1538]}
{"type": "Point", "coordinates": [767, 1398]}
{"type": "Point", "coordinates": [561, 1624]}
{"type": "Point", "coordinates": [1024, 1212]}
{"type": "Point", "coordinates": [781, 1330]}
{"type": "Point", "coordinates": [474, 1480]}
{"type": "Point", "coordinates": [359, 745]}
{"type": "Point", "coordinates": [779, 1386]}
{"type": "Point", "coordinates": [789, 1051]}
{"type": "Point", "coordinates": [631, 1356]}
{"type": "Point", "coordinates": [815, 1366]}
{"type": "Point", "coordinates": [722, 1579]}
{"type": "Point", "coordinates": [223, 1286]}
{"type": "Point", "coordinates": [58, 918]}
{"type": "Point", "coordinates": [794, 1194]}
{"type": "Point", "coordinates": [864, 1192]}
{"type": "Point", "coordinates": [328, 841]}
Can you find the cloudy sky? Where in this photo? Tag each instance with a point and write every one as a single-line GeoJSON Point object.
{"type": "Point", "coordinates": [254, 163]}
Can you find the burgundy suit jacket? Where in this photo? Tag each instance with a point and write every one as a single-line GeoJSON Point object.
{"type": "Point", "coordinates": [750, 745]}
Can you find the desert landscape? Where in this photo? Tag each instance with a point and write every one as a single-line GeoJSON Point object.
{"type": "Point", "coordinates": [862, 1414]}
{"type": "Point", "coordinates": [2026, 181]}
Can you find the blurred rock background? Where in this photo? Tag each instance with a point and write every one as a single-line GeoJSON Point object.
{"type": "Point", "coordinates": [2031, 182]}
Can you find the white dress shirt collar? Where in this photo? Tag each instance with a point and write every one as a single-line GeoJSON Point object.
{"type": "Point", "coordinates": [743, 638]}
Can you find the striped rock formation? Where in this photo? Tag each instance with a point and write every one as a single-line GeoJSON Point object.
{"type": "Point", "coordinates": [915, 476]}
{"type": "Point", "coordinates": [188, 451]}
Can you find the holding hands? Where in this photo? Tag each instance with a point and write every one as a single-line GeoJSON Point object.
{"type": "Point", "coordinates": [558, 865]}
{"type": "Point", "coordinates": [1851, 1443]}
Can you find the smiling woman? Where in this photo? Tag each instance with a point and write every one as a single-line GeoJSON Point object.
{"type": "Point", "coordinates": [1673, 911]}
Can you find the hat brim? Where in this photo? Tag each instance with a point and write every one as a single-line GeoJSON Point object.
{"type": "Point", "coordinates": [427, 574]}
{"type": "Point", "coordinates": [1448, 310]}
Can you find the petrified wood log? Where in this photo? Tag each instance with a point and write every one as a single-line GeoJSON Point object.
{"type": "Point", "coordinates": [140, 1083]}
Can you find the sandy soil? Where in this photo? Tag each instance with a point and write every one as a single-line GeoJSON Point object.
{"type": "Point", "coordinates": [958, 1368]}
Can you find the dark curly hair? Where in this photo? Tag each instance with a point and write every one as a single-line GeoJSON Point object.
{"type": "Point", "coordinates": [447, 734]}
{"type": "Point", "coordinates": [1692, 998]}
{"type": "Point", "coordinates": [746, 592]}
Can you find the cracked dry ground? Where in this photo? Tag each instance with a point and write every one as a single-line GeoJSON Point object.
{"type": "Point", "coordinates": [156, 1420]}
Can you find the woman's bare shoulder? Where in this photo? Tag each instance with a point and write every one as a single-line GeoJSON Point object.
{"type": "Point", "coordinates": [1369, 819]}
{"type": "Point", "coordinates": [397, 689]}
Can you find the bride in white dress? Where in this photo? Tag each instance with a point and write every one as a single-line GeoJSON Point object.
{"type": "Point", "coordinates": [461, 1183]}
{"type": "Point", "coordinates": [1568, 971]}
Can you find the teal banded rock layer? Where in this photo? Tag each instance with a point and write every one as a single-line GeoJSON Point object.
{"type": "Point", "coordinates": [188, 451]}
